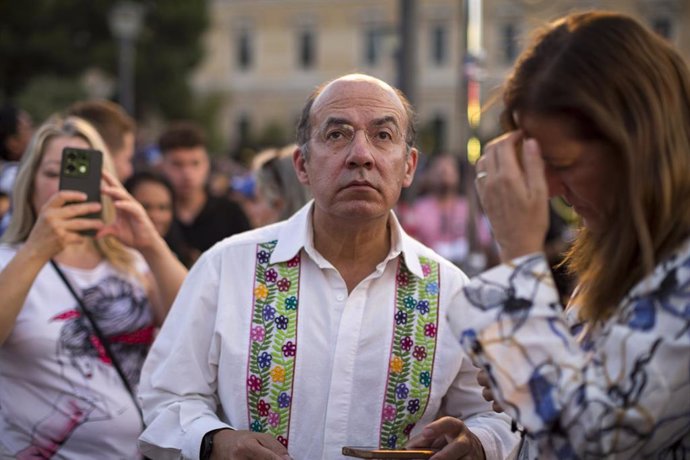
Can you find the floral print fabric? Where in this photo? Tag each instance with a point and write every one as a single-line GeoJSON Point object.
{"type": "Point", "coordinates": [273, 344]}
{"type": "Point", "coordinates": [619, 389]}
{"type": "Point", "coordinates": [412, 353]}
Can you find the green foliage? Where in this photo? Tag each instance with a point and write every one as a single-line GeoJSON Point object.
{"type": "Point", "coordinates": [168, 49]}
{"type": "Point", "coordinates": [206, 108]}
{"type": "Point", "coordinates": [48, 94]}
{"type": "Point", "coordinates": [50, 38]}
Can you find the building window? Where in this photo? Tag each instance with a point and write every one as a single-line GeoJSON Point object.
{"type": "Point", "coordinates": [438, 132]}
{"type": "Point", "coordinates": [243, 130]}
{"type": "Point", "coordinates": [372, 47]}
{"type": "Point", "coordinates": [439, 44]}
{"type": "Point", "coordinates": [306, 45]}
{"type": "Point", "coordinates": [244, 50]}
{"type": "Point", "coordinates": [663, 27]}
{"type": "Point", "coordinates": [510, 46]}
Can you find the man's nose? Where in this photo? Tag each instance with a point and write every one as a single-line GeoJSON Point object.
{"type": "Point", "coordinates": [360, 154]}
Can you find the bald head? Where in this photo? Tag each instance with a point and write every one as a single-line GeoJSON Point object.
{"type": "Point", "coordinates": [341, 92]}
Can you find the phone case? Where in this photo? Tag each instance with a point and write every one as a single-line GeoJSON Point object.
{"type": "Point", "coordinates": [376, 453]}
{"type": "Point", "coordinates": [80, 169]}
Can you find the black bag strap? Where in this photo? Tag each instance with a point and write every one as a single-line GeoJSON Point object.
{"type": "Point", "coordinates": [104, 341]}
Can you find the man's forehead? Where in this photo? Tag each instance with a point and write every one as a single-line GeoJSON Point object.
{"type": "Point", "coordinates": [359, 92]}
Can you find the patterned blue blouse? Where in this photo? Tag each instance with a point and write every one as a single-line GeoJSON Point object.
{"type": "Point", "coordinates": [619, 389]}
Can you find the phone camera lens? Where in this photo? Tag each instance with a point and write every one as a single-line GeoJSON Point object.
{"type": "Point", "coordinates": [71, 156]}
{"type": "Point", "coordinates": [70, 168]}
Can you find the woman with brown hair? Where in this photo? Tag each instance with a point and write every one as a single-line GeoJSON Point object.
{"type": "Point", "coordinates": [597, 111]}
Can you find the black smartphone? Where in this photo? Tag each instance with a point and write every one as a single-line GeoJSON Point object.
{"type": "Point", "coordinates": [80, 170]}
{"type": "Point", "coordinates": [375, 452]}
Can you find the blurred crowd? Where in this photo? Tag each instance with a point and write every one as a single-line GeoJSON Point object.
{"type": "Point", "coordinates": [195, 198]}
{"type": "Point", "coordinates": [372, 240]}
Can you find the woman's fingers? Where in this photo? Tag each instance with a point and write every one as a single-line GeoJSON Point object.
{"type": "Point", "coordinates": [483, 378]}
{"type": "Point", "coordinates": [533, 165]}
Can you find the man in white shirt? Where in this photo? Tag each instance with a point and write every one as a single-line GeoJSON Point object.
{"type": "Point", "coordinates": [328, 329]}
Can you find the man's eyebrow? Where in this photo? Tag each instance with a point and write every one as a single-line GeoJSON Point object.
{"type": "Point", "coordinates": [337, 121]}
{"type": "Point", "coordinates": [385, 120]}
{"type": "Point", "coordinates": [330, 121]}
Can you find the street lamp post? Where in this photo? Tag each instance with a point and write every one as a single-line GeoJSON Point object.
{"type": "Point", "coordinates": [125, 20]}
{"type": "Point", "coordinates": [407, 57]}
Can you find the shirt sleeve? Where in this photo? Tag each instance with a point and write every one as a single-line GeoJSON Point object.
{"type": "Point", "coordinates": [180, 407]}
{"type": "Point", "coordinates": [614, 395]}
{"type": "Point", "coordinates": [464, 400]}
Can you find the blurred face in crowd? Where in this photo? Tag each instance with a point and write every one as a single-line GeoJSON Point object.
{"type": "Point", "coordinates": [583, 172]}
{"type": "Point", "coordinates": [47, 180]}
{"type": "Point", "coordinates": [187, 169]}
{"type": "Point", "coordinates": [357, 159]}
{"type": "Point", "coordinates": [122, 159]}
{"type": "Point", "coordinates": [262, 209]}
{"type": "Point", "coordinates": [157, 201]}
{"type": "Point", "coordinates": [17, 143]}
{"type": "Point", "coordinates": [444, 176]}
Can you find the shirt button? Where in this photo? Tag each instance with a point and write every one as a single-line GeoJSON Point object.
{"type": "Point", "coordinates": [340, 297]}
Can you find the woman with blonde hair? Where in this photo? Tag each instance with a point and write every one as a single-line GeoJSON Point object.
{"type": "Point", "coordinates": [78, 312]}
{"type": "Point", "coordinates": [278, 194]}
{"type": "Point", "coordinates": [597, 111]}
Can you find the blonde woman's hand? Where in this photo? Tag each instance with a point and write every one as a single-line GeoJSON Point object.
{"type": "Point", "coordinates": [59, 223]}
{"type": "Point", "coordinates": [132, 225]}
{"type": "Point", "coordinates": [513, 191]}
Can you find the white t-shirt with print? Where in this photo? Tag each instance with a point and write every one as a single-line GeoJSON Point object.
{"type": "Point", "coordinates": [60, 396]}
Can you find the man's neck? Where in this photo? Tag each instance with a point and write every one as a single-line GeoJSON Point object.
{"type": "Point", "coordinates": [190, 205]}
{"type": "Point", "coordinates": [354, 249]}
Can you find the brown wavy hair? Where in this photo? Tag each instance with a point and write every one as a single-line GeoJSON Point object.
{"type": "Point", "coordinates": [613, 80]}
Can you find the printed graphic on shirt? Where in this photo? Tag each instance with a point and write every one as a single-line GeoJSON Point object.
{"type": "Point", "coordinates": [610, 388]}
{"type": "Point", "coordinates": [122, 312]}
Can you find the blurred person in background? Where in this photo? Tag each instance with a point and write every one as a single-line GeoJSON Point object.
{"type": "Point", "coordinates": [203, 219]}
{"type": "Point", "coordinates": [115, 126]}
{"type": "Point", "coordinates": [4, 204]}
{"type": "Point", "coordinates": [443, 218]}
{"type": "Point", "coordinates": [156, 195]}
{"type": "Point", "coordinates": [278, 194]}
{"type": "Point", "coordinates": [78, 312]}
{"type": "Point", "coordinates": [16, 128]}
{"type": "Point", "coordinates": [597, 110]}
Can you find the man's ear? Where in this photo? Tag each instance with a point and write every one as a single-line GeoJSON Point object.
{"type": "Point", "coordinates": [410, 167]}
{"type": "Point", "coordinates": [299, 163]}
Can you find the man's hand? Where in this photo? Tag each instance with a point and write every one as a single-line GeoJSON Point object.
{"type": "Point", "coordinates": [247, 445]}
{"type": "Point", "coordinates": [453, 437]}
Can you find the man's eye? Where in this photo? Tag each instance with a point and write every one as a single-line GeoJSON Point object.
{"type": "Point", "coordinates": [338, 135]}
{"type": "Point", "coordinates": [384, 136]}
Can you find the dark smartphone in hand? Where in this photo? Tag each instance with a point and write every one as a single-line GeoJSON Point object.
{"type": "Point", "coordinates": [376, 453]}
{"type": "Point", "coordinates": [80, 170]}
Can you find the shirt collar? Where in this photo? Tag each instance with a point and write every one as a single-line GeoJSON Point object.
{"type": "Point", "coordinates": [297, 233]}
